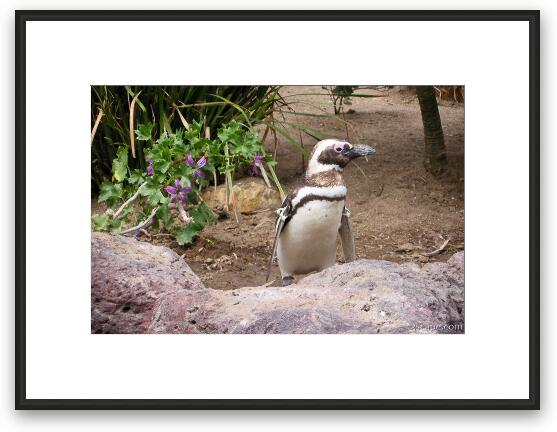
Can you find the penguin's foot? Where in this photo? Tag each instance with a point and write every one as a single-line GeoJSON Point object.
{"type": "Point", "coordinates": [287, 280]}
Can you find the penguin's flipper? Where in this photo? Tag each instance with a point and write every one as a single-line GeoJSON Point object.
{"type": "Point", "coordinates": [346, 236]}
{"type": "Point", "coordinates": [284, 213]}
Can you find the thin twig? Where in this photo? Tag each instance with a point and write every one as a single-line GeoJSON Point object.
{"type": "Point", "coordinates": [128, 202]}
{"type": "Point", "coordinates": [303, 158]}
{"type": "Point", "coordinates": [361, 170]}
{"type": "Point", "coordinates": [264, 174]}
{"type": "Point", "coordinates": [143, 224]}
{"type": "Point", "coordinates": [96, 125]}
{"type": "Point", "coordinates": [230, 197]}
{"type": "Point", "coordinates": [265, 135]}
{"type": "Point", "coordinates": [438, 250]}
{"type": "Point", "coordinates": [145, 232]}
{"type": "Point", "coordinates": [132, 107]}
{"type": "Point", "coordinates": [182, 119]}
{"type": "Point", "coordinates": [215, 179]}
{"type": "Point", "coordinates": [234, 205]}
{"type": "Point", "coordinates": [274, 136]}
{"type": "Point", "coordinates": [345, 123]}
{"type": "Point", "coordinates": [271, 170]}
{"type": "Point", "coordinates": [226, 194]}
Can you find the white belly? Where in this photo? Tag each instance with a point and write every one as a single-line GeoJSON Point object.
{"type": "Point", "coordinates": [308, 242]}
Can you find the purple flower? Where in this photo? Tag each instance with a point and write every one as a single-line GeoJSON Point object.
{"type": "Point", "coordinates": [256, 162]}
{"type": "Point", "coordinates": [150, 168]}
{"type": "Point", "coordinates": [196, 166]}
{"type": "Point", "coordinates": [178, 192]}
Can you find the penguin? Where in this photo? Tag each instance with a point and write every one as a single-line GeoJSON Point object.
{"type": "Point", "coordinates": [314, 213]}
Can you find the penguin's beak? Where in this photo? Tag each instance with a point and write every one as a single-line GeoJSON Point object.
{"type": "Point", "coordinates": [357, 150]}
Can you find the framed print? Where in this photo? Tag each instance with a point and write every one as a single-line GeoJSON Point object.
{"type": "Point", "coordinates": [269, 210]}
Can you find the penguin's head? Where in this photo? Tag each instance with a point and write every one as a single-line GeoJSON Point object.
{"type": "Point", "coordinates": [332, 154]}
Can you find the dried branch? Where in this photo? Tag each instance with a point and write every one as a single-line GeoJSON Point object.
{"type": "Point", "coordinates": [132, 107]}
{"type": "Point", "coordinates": [145, 232]}
{"type": "Point", "coordinates": [361, 170]}
{"type": "Point", "coordinates": [215, 179]}
{"type": "Point", "coordinates": [143, 224]}
{"type": "Point", "coordinates": [96, 125]}
{"type": "Point", "coordinates": [182, 119]}
{"type": "Point", "coordinates": [129, 201]}
{"type": "Point", "coordinates": [438, 250]}
{"type": "Point", "coordinates": [183, 213]}
{"type": "Point", "coordinates": [264, 174]}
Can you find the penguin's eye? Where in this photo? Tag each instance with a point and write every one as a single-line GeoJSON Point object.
{"type": "Point", "coordinates": [338, 149]}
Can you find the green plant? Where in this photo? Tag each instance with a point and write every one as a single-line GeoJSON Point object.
{"type": "Point", "coordinates": [166, 195]}
{"type": "Point", "coordinates": [116, 110]}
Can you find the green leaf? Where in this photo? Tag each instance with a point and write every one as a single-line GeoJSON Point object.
{"type": "Point", "coordinates": [100, 221]}
{"type": "Point", "coordinates": [136, 177]}
{"type": "Point", "coordinates": [150, 188]}
{"type": "Point", "coordinates": [115, 226]}
{"type": "Point", "coordinates": [181, 170]}
{"type": "Point", "coordinates": [120, 164]}
{"type": "Point", "coordinates": [110, 192]}
{"type": "Point", "coordinates": [202, 214]}
{"type": "Point", "coordinates": [186, 235]}
{"type": "Point", "coordinates": [229, 132]}
{"type": "Point", "coordinates": [178, 150]}
{"type": "Point", "coordinates": [164, 166]}
{"type": "Point", "coordinates": [165, 140]}
{"type": "Point", "coordinates": [155, 198]}
{"type": "Point", "coordinates": [103, 222]}
{"type": "Point", "coordinates": [194, 132]}
{"type": "Point", "coordinates": [143, 131]}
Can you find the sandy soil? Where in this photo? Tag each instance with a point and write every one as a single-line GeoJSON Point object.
{"type": "Point", "coordinates": [398, 210]}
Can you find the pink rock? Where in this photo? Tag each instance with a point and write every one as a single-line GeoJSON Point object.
{"type": "Point", "coordinates": [140, 288]}
{"type": "Point", "coordinates": [128, 277]}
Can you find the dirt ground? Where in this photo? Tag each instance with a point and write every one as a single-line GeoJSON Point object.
{"type": "Point", "coordinates": [399, 211]}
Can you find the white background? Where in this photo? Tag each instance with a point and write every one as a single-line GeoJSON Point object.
{"type": "Point", "coordinates": [140, 421]}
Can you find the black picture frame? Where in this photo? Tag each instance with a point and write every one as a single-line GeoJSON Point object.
{"type": "Point", "coordinates": [531, 16]}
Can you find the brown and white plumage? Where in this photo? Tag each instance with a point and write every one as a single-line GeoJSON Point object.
{"type": "Point", "coordinates": [310, 216]}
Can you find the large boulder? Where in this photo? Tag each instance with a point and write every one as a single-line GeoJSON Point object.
{"type": "Point", "coordinates": [365, 296]}
{"type": "Point", "coordinates": [128, 278]}
{"type": "Point", "coordinates": [140, 288]}
{"type": "Point", "coordinates": [250, 195]}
